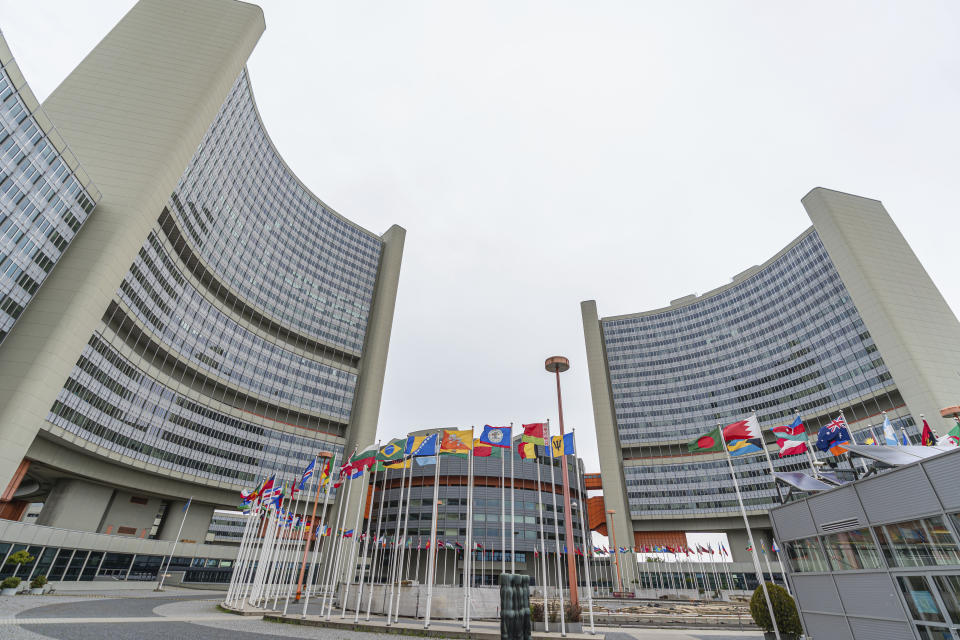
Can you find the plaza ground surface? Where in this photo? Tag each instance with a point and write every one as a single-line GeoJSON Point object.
{"type": "Point", "coordinates": [192, 615]}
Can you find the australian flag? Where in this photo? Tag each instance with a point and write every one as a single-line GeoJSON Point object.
{"type": "Point", "coordinates": [833, 436]}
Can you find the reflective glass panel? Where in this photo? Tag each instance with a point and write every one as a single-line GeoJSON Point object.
{"type": "Point", "coordinates": [918, 543]}
{"type": "Point", "coordinates": [852, 550]}
{"type": "Point", "coordinates": [920, 600]}
{"type": "Point", "coordinates": [805, 555]}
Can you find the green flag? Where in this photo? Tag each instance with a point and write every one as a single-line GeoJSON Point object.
{"type": "Point", "coordinates": [393, 450]}
{"type": "Point", "coordinates": [954, 434]}
{"type": "Point", "coordinates": [710, 441]}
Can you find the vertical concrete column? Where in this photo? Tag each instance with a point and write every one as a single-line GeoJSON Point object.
{"type": "Point", "coordinates": [608, 440]}
{"type": "Point", "coordinates": [195, 527]}
{"type": "Point", "coordinates": [366, 403]}
{"type": "Point", "coordinates": [133, 111]}
{"type": "Point", "coordinates": [911, 323]}
{"type": "Point", "coordinates": [75, 504]}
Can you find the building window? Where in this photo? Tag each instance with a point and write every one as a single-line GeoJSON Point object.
{"type": "Point", "coordinates": [805, 556]}
{"type": "Point", "coordinates": [917, 543]}
{"type": "Point", "coordinates": [949, 587]}
{"type": "Point", "coordinates": [920, 600]}
{"type": "Point", "coordinates": [852, 550]}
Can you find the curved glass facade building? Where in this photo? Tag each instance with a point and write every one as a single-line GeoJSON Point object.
{"type": "Point", "coordinates": [225, 323]}
{"type": "Point", "coordinates": [801, 334]}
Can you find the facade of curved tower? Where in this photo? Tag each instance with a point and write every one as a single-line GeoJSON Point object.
{"type": "Point", "coordinates": [213, 321]}
{"type": "Point", "coordinates": [842, 319]}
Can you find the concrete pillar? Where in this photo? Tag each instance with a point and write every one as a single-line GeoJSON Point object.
{"type": "Point", "coordinates": [194, 528]}
{"type": "Point", "coordinates": [129, 514]}
{"type": "Point", "coordinates": [75, 504]}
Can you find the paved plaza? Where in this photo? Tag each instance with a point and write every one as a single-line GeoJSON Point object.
{"type": "Point", "coordinates": [190, 614]}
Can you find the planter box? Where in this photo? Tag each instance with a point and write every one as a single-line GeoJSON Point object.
{"type": "Point", "coordinates": [8, 592]}
{"type": "Point", "coordinates": [37, 591]}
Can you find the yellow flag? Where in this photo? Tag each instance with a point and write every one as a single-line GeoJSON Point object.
{"type": "Point", "coordinates": [556, 446]}
{"type": "Point", "coordinates": [456, 441]}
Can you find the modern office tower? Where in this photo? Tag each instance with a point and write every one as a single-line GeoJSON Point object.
{"type": "Point", "coordinates": [212, 322]}
{"type": "Point", "coordinates": [842, 319]}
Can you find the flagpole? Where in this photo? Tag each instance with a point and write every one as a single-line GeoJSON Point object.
{"type": "Point", "coordinates": [806, 444]}
{"type": "Point", "coordinates": [329, 545]}
{"type": "Point", "coordinates": [432, 554]}
{"type": "Point", "coordinates": [543, 544]}
{"type": "Point", "coordinates": [584, 532]}
{"type": "Point", "coordinates": [402, 542]}
{"type": "Point", "coordinates": [366, 538]}
{"type": "Point", "coordinates": [394, 574]}
{"type": "Point", "coordinates": [468, 546]}
{"type": "Point", "coordinates": [264, 553]}
{"type": "Point", "coordinates": [556, 532]}
{"type": "Point", "coordinates": [746, 522]}
{"type": "Point", "coordinates": [163, 574]}
{"type": "Point", "coordinates": [324, 456]}
{"type": "Point", "coordinates": [318, 531]}
{"type": "Point", "coordinates": [503, 515]}
{"type": "Point", "coordinates": [513, 511]}
{"type": "Point", "coordinates": [314, 480]}
{"type": "Point", "coordinates": [240, 566]}
{"type": "Point", "coordinates": [351, 568]}
{"type": "Point", "coordinates": [336, 538]}
{"type": "Point", "coordinates": [376, 539]}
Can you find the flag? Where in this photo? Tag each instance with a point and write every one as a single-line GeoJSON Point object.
{"type": "Point", "coordinates": [496, 436]}
{"type": "Point", "coordinates": [774, 546]}
{"type": "Point", "coordinates": [953, 436]}
{"type": "Point", "coordinates": [743, 437]}
{"type": "Point", "coordinates": [711, 441]}
{"type": "Point", "coordinates": [482, 450]}
{"type": "Point", "coordinates": [423, 461]}
{"type": "Point", "coordinates": [425, 445]}
{"type": "Point", "coordinates": [270, 491]}
{"type": "Point", "coordinates": [533, 433]}
{"type": "Point", "coordinates": [307, 474]}
{"type": "Point", "coordinates": [527, 450]}
{"type": "Point", "coordinates": [456, 441]}
{"type": "Point", "coordinates": [562, 445]}
{"type": "Point", "coordinates": [791, 439]}
{"type": "Point", "coordinates": [889, 435]}
{"type": "Point", "coordinates": [393, 450]}
{"type": "Point", "coordinates": [928, 438]}
{"type": "Point", "coordinates": [394, 464]}
{"type": "Point", "coordinates": [364, 459]}
{"type": "Point", "coordinates": [348, 534]}
{"type": "Point", "coordinates": [833, 436]}
{"type": "Point", "coordinates": [325, 473]}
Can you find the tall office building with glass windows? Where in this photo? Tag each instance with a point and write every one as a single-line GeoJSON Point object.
{"type": "Point", "coordinates": [842, 319]}
{"type": "Point", "coordinates": [212, 320]}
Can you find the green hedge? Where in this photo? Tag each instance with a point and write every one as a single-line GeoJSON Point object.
{"type": "Point", "coordinates": [788, 620]}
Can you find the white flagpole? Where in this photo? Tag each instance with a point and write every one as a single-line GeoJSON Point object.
{"type": "Point", "coordinates": [394, 575]}
{"type": "Point", "coordinates": [766, 452]}
{"type": "Point", "coordinates": [543, 543]}
{"type": "Point", "coordinates": [163, 574]}
{"type": "Point", "coordinates": [556, 532]}
{"type": "Point", "coordinates": [256, 546]}
{"type": "Point", "coordinates": [366, 539]}
{"type": "Point", "coordinates": [240, 565]}
{"type": "Point", "coordinates": [303, 528]}
{"type": "Point", "coordinates": [432, 553]}
{"type": "Point", "coordinates": [376, 539]}
{"type": "Point", "coordinates": [336, 547]}
{"type": "Point", "coordinates": [468, 543]}
{"type": "Point", "coordinates": [351, 568]}
{"type": "Point", "coordinates": [584, 532]}
{"type": "Point", "coordinates": [318, 534]}
{"type": "Point", "coordinates": [746, 522]}
{"type": "Point", "coordinates": [264, 593]}
{"type": "Point", "coordinates": [402, 551]}
{"type": "Point", "coordinates": [513, 511]}
{"type": "Point", "coordinates": [503, 516]}
{"type": "Point", "coordinates": [265, 545]}
{"type": "Point", "coordinates": [783, 572]}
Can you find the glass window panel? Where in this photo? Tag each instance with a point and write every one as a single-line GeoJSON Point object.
{"type": "Point", "coordinates": [949, 587]}
{"type": "Point", "coordinates": [60, 564]}
{"type": "Point", "coordinates": [93, 562]}
{"type": "Point", "coordinates": [934, 633]}
{"type": "Point", "coordinates": [852, 550]}
{"type": "Point", "coordinates": [73, 571]}
{"type": "Point", "coordinates": [918, 543]}
{"type": "Point", "coordinates": [44, 562]}
{"type": "Point", "coordinates": [805, 555]}
{"type": "Point", "coordinates": [920, 600]}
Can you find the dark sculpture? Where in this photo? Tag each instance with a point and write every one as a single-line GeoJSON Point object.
{"type": "Point", "coordinates": [515, 621]}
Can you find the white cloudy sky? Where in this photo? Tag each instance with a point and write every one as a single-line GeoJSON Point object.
{"type": "Point", "coordinates": [544, 153]}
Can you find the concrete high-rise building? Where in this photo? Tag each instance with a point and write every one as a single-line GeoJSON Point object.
{"type": "Point", "coordinates": [842, 319]}
{"type": "Point", "coordinates": [209, 320]}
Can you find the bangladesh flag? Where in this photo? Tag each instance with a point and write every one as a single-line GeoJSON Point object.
{"type": "Point", "coordinates": [710, 441]}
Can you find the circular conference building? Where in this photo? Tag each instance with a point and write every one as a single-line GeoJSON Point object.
{"type": "Point", "coordinates": [535, 506]}
{"type": "Point", "coordinates": [212, 321]}
{"type": "Point", "coordinates": [843, 320]}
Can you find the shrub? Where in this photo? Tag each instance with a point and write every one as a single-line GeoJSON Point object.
{"type": "Point", "coordinates": [536, 612]}
{"type": "Point", "coordinates": [788, 620]}
{"type": "Point", "coordinates": [554, 614]}
{"type": "Point", "coordinates": [572, 613]}
{"type": "Point", "coordinates": [20, 557]}
{"type": "Point", "coordinates": [10, 583]}
{"type": "Point", "coordinates": [39, 582]}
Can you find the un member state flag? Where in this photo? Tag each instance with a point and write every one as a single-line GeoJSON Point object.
{"type": "Point", "coordinates": [562, 445]}
{"type": "Point", "coordinates": [393, 450]}
{"type": "Point", "coordinates": [710, 441]}
{"type": "Point", "coordinates": [496, 436]}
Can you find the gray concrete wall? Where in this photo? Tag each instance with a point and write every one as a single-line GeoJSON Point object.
{"type": "Point", "coordinates": [196, 521]}
{"type": "Point", "coordinates": [127, 510]}
{"type": "Point", "coordinates": [133, 112]}
{"type": "Point", "coordinates": [608, 440]}
{"type": "Point", "coordinates": [911, 323]}
{"type": "Point", "coordinates": [75, 504]}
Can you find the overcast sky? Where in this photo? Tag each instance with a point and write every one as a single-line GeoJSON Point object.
{"type": "Point", "coordinates": [544, 153]}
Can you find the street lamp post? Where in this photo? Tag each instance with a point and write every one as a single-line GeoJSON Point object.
{"type": "Point", "coordinates": [557, 365]}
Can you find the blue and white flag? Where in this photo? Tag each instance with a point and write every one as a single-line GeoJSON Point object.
{"type": "Point", "coordinates": [307, 474]}
{"type": "Point", "coordinates": [889, 435]}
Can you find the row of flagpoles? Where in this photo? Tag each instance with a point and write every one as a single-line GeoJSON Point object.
{"type": "Point", "coordinates": [273, 563]}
